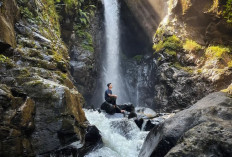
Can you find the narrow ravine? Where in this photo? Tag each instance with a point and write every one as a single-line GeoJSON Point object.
{"type": "Point", "coordinates": [121, 136]}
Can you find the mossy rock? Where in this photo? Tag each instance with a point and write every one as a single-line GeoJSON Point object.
{"type": "Point", "coordinates": [5, 61]}
{"type": "Point", "coordinates": [170, 45]}
{"type": "Point", "coordinates": [24, 115]}
{"type": "Point", "coordinates": [228, 90]}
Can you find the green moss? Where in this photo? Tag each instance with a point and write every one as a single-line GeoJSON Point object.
{"type": "Point", "coordinates": [229, 64]}
{"type": "Point", "coordinates": [57, 56]}
{"type": "Point", "coordinates": [159, 46]}
{"type": "Point", "coordinates": [199, 71]}
{"type": "Point", "coordinates": [171, 52]}
{"type": "Point", "coordinates": [62, 76]}
{"type": "Point", "coordinates": [179, 66]}
{"type": "Point", "coordinates": [87, 47]}
{"type": "Point", "coordinates": [35, 53]}
{"type": "Point", "coordinates": [7, 61]}
{"type": "Point", "coordinates": [85, 38]}
{"type": "Point", "coordinates": [216, 51]}
{"type": "Point", "coordinates": [171, 44]}
{"type": "Point", "coordinates": [191, 46]}
{"type": "Point", "coordinates": [138, 58]}
{"type": "Point", "coordinates": [28, 15]}
{"type": "Point", "coordinates": [36, 83]}
{"type": "Point", "coordinates": [228, 90]}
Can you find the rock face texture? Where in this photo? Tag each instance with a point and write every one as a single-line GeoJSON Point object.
{"type": "Point", "coordinates": [191, 56]}
{"type": "Point", "coordinates": [9, 13]}
{"type": "Point", "coordinates": [85, 48]}
{"type": "Point", "coordinates": [40, 108]}
{"type": "Point", "coordinates": [202, 130]}
{"type": "Point", "coordinates": [148, 13]}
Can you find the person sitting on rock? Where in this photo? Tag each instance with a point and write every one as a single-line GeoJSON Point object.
{"type": "Point", "coordinates": [110, 98]}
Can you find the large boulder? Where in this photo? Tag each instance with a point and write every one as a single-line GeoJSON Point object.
{"type": "Point", "coordinates": [9, 14]}
{"type": "Point", "coordinates": [40, 108]}
{"type": "Point", "coordinates": [206, 121]}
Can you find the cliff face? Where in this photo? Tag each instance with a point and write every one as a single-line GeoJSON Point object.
{"type": "Point", "coordinates": [40, 108]}
{"type": "Point", "coordinates": [191, 55]}
{"type": "Point", "coordinates": [148, 13]}
{"type": "Point", "coordinates": [9, 13]}
{"type": "Point", "coordinates": [193, 38]}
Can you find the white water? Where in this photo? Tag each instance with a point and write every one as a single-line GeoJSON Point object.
{"type": "Point", "coordinates": [117, 143]}
{"type": "Point", "coordinates": [111, 68]}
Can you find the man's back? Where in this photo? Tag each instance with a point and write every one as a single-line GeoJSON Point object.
{"type": "Point", "coordinates": [107, 92]}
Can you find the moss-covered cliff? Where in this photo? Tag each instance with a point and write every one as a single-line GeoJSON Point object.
{"type": "Point", "coordinates": [40, 108]}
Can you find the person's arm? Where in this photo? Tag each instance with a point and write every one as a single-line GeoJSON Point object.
{"type": "Point", "coordinates": [112, 95]}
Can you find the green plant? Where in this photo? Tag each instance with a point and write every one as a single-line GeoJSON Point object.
{"type": "Point", "coordinates": [6, 60]}
{"type": "Point", "coordinates": [138, 58]}
{"type": "Point", "coordinates": [179, 66]}
{"type": "Point", "coordinates": [27, 14]}
{"type": "Point", "coordinates": [191, 46]}
{"type": "Point", "coordinates": [227, 12]}
{"type": "Point", "coordinates": [171, 45]}
{"type": "Point", "coordinates": [229, 64]}
{"type": "Point", "coordinates": [216, 51]}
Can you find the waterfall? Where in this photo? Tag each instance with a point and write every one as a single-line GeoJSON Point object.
{"type": "Point", "coordinates": [111, 67]}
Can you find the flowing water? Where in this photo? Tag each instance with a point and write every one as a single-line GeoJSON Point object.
{"type": "Point", "coordinates": [121, 137]}
{"type": "Point", "coordinates": [111, 67]}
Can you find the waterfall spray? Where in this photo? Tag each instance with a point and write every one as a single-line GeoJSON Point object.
{"type": "Point", "coordinates": [111, 67]}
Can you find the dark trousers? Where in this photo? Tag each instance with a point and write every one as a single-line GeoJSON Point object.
{"type": "Point", "coordinates": [111, 100]}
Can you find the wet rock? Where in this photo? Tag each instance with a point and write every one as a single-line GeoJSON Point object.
{"type": "Point", "coordinates": [66, 133]}
{"type": "Point", "coordinates": [24, 117]}
{"type": "Point", "coordinates": [40, 38]}
{"type": "Point", "coordinates": [5, 96]}
{"type": "Point", "coordinates": [9, 15]}
{"type": "Point", "coordinates": [149, 125]}
{"type": "Point", "coordinates": [139, 122]}
{"type": "Point", "coordinates": [92, 141]}
{"type": "Point", "coordinates": [128, 107]}
{"type": "Point", "coordinates": [124, 127]}
{"type": "Point", "coordinates": [93, 135]}
{"type": "Point", "coordinates": [177, 89]}
{"type": "Point", "coordinates": [132, 115]}
{"type": "Point", "coordinates": [200, 116]}
{"type": "Point", "coordinates": [206, 139]}
{"type": "Point", "coordinates": [146, 113]}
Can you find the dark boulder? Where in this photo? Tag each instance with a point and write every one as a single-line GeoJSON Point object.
{"type": "Point", "coordinates": [214, 108]}
{"type": "Point", "coordinates": [128, 107]}
{"type": "Point", "coordinates": [149, 125]}
{"type": "Point", "coordinates": [139, 123]}
{"type": "Point", "coordinates": [206, 139]}
{"type": "Point", "coordinates": [132, 115]}
{"type": "Point", "coordinates": [92, 141]}
{"type": "Point", "coordinates": [93, 135]}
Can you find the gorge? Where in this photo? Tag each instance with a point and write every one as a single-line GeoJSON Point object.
{"type": "Point", "coordinates": [172, 59]}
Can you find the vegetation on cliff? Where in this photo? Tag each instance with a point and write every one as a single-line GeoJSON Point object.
{"type": "Point", "coordinates": [37, 92]}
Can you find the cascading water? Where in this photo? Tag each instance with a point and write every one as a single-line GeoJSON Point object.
{"type": "Point", "coordinates": [111, 67]}
{"type": "Point", "coordinates": [121, 137]}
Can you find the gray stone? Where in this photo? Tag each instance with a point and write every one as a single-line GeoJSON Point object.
{"type": "Point", "coordinates": [214, 108]}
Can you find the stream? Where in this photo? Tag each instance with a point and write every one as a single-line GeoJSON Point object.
{"type": "Point", "coordinates": [121, 136]}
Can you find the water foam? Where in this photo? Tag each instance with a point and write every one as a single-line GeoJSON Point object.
{"type": "Point", "coordinates": [117, 142]}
